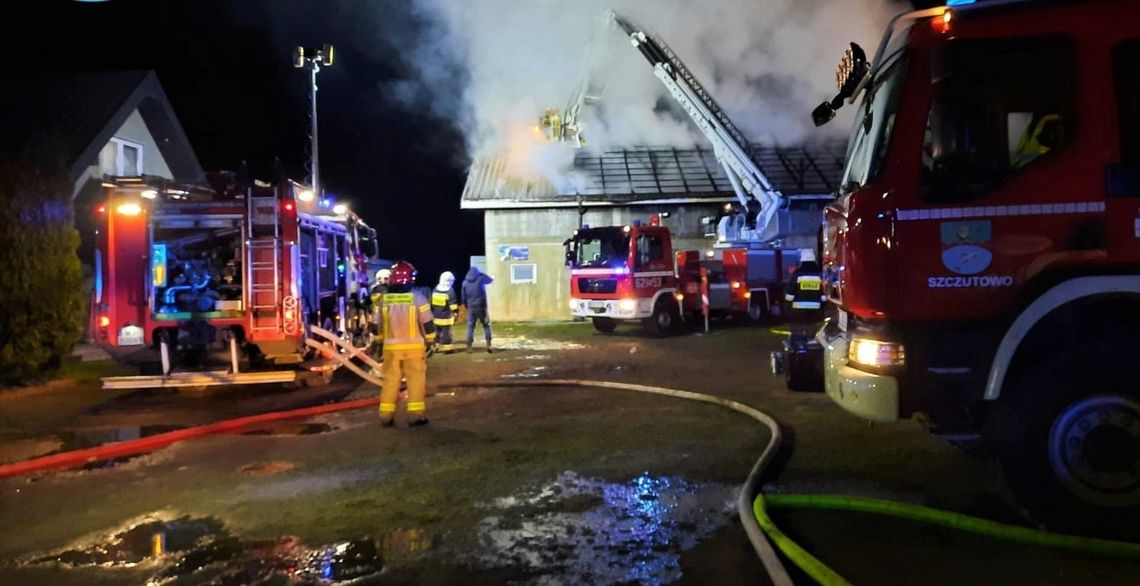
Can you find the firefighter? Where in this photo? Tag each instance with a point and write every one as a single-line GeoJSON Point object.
{"type": "Point", "coordinates": [406, 327]}
{"type": "Point", "coordinates": [444, 305]}
{"type": "Point", "coordinates": [1040, 137]}
{"type": "Point", "coordinates": [379, 288]}
{"type": "Point", "coordinates": [805, 295]}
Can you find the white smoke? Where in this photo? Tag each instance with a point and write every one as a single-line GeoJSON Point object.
{"type": "Point", "coordinates": [493, 66]}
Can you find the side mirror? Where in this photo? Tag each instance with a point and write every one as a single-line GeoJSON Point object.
{"type": "Point", "coordinates": [822, 114]}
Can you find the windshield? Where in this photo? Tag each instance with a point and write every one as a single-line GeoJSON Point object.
{"type": "Point", "coordinates": [874, 122]}
{"type": "Point", "coordinates": [602, 247]}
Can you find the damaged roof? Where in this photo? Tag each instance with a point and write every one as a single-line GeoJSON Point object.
{"type": "Point", "coordinates": [652, 175]}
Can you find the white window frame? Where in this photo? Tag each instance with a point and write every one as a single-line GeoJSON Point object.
{"type": "Point", "coordinates": [119, 158]}
{"type": "Point", "coordinates": [533, 273]}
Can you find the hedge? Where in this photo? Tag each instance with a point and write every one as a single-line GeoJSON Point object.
{"type": "Point", "coordinates": [42, 297]}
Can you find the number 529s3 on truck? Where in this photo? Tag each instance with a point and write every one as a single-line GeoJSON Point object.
{"type": "Point", "coordinates": [983, 256]}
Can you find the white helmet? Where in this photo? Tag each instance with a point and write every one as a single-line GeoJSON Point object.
{"type": "Point", "coordinates": [807, 255]}
{"type": "Point", "coordinates": [446, 280]}
{"type": "Point", "coordinates": [383, 275]}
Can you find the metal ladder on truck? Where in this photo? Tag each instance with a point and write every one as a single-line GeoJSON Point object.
{"type": "Point", "coordinates": [263, 257]}
{"type": "Point", "coordinates": [729, 145]}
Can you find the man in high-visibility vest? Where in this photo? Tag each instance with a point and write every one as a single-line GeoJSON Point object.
{"type": "Point", "coordinates": [405, 326]}
{"type": "Point", "coordinates": [444, 305]}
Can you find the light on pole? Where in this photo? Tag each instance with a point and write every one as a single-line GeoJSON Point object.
{"type": "Point", "coordinates": [313, 60]}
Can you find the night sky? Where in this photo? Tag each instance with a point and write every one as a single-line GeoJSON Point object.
{"type": "Point", "coordinates": [225, 66]}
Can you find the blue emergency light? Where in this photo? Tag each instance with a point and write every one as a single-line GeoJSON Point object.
{"type": "Point", "coordinates": [953, 3]}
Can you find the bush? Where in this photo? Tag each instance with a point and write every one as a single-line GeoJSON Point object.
{"type": "Point", "coordinates": [42, 299]}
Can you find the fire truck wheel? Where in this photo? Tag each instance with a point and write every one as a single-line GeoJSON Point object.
{"type": "Point", "coordinates": [605, 325]}
{"type": "Point", "coordinates": [755, 311]}
{"type": "Point", "coordinates": [664, 319]}
{"type": "Point", "coordinates": [1074, 461]}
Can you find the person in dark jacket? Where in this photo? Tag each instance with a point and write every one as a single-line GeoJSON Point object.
{"type": "Point", "coordinates": [474, 297]}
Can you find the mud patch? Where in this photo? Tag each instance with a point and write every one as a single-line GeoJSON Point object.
{"type": "Point", "coordinates": [289, 428]}
{"type": "Point", "coordinates": [525, 343]}
{"type": "Point", "coordinates": [267, 468]}
{"type": "Point", "coordinates": [91, 438]}
{"type": "Point", "coordinates": [532, 372]}
{"type": "Point", "coordinates": [584, 530]}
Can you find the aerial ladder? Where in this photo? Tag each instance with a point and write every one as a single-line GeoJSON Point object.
{"type": "Point", "coordinates": [760, 201]}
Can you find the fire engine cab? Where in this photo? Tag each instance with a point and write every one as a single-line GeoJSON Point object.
{"type": "Point", "coordinates": [983, 256]}
{"type": "Point", "coordinates": [186, 268]}
{"type": "Point", "coordinates": [630, 273]}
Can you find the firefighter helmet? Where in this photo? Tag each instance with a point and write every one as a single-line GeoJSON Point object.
{"type": "Point", "coordinates": [403, 273]}
{"type": "Point", "coordinates": [383, 275]}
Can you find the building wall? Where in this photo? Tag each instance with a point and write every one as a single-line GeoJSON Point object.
{"type": "Point", "coordinates": [133, 130]}
{"type": "Point", "coordinates": [538, 234]}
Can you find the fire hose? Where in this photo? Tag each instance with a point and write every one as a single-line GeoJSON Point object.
{"type": "Point", "coordinates": [752, 504]}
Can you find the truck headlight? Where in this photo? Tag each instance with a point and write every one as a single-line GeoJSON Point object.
{"type": "Point", "coordinates": [627, 305]}
{"type": "Point", "coordinates": [875, 353]}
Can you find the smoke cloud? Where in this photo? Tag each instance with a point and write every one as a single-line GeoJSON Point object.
{"type": "Point", "coordinates": [493, 66]}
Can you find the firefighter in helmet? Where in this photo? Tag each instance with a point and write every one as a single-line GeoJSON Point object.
{"type": "Point", "coordinates": [444, 305]}
{"type": "Point", "coordinates": [805, 294]}
{"type": "Point", "coordinates": [406, 326]}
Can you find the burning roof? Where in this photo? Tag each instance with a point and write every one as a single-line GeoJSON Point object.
{"type": "Point", "coordinates": [644, 174]}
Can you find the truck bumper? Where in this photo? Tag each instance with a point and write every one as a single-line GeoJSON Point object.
{"type": "Point", "coordinates": [611, 308]}
{"type": "Point", "coordinates": [871, 396]}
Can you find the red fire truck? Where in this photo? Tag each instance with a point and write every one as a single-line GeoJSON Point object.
{"type": "Point", "coordinates": [630, 273]}
{"type": "Point", "coordinates": [984, 254]}
{"type": "Point", "coordinates": [183, 269]}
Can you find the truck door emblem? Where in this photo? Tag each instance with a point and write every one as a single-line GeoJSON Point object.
{"type": "Point", "coordinates": [965, 247]}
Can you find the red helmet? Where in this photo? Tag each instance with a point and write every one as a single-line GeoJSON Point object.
{"type": "Point", "coordinates": [403, 273]}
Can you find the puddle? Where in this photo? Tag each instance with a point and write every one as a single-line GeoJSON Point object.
{"type": "Point", "coordinates": [289, 428]}
{"type": "Point", "coordinates": [147, 540]}
{"type": "Point", "coordinates": [532, 372]}
{"type": "Point", "coordinates": [584, 530]}
{"type": "Point", "coordinates": [188, 550]}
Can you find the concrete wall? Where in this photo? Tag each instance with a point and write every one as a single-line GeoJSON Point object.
{"type": "Point", "coordinates": [541, 233]}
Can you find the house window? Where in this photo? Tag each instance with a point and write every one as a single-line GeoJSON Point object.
{"type": "Point", "coordinates": [128, 158]}
{"type": "Point", "coordinates": [524, 273]}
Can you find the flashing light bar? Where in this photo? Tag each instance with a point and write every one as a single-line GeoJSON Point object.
{"type": "Point", "coordinates": [953, 3]}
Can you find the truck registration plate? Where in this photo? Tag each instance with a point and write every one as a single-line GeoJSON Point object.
{"type": "Point", "coordinates": [131, 336]}
{"type": "Point", "coordinates": [596, 304]}
{"type": "Point", "coordinates": [842, 320]}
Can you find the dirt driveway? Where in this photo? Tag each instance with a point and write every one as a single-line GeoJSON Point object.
{"type": "Point", "coordinates": [528, 485]}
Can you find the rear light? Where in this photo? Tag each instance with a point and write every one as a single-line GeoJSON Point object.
{"type": "Point", "coordinates": [100, 209]}
{"type": "Point", "coordinates": [289, 315]}
{"type": "Point", "coordinates": [129, 209]}
{"type": "Point", "coordinates": [288, 206]}
{"type": "Point", "coordinates": [736, 284]}
{"type": "Point", "coordinates": [941, 24]}
{"type": "Point", "coordinates": [875, 353]}
{"type": "Point", "coordinates": [104, 321]}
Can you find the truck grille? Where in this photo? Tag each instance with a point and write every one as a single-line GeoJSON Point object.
{"type": "Point", "coordinates": [597, 285]}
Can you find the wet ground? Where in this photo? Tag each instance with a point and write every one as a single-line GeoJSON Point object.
{"type": "Point", "coordinates": [523, 485]}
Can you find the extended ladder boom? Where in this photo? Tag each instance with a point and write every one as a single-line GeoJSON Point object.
{"type": "Point", "coordinates": [729, 144]}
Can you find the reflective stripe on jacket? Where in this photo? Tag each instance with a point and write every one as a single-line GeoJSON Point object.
{"type": "Point", "coordinates": [401, 316]}
{"type": "Point", "coordinates": [444, 304]}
